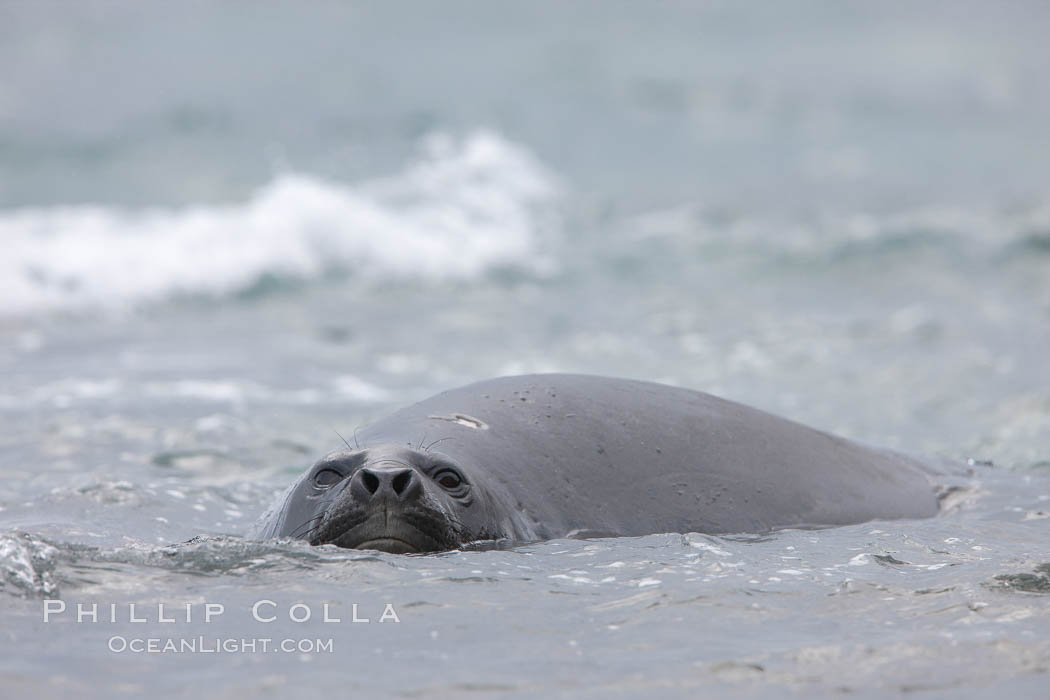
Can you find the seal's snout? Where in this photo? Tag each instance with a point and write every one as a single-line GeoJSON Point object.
{"type": "Point", "coordinates": [392, 484]}
{"type": "Point", "coordinates": [383, 497]}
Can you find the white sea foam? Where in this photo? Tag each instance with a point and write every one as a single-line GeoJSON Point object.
{"type": "Point", "coordinates": [465, 207]}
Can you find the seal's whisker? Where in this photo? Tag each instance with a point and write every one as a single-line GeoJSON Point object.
{"type": "Point", "coordinates": [344, 439]}
{"type": "Point", "coordinates": [439, 440]}
{"type": "Point", "coordinates": [295, 532]}
{"type": "Point", "coordinates": [304, 534]}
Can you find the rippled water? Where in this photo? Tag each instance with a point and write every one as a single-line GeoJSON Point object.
{"type": "Point", "coordinates": [246, 231]}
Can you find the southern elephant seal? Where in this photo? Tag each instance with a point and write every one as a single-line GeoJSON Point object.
{"type": "Point", "coordinates": [535, 457]}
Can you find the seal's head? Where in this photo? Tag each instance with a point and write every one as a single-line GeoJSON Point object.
{"type": "Point", "coordinates": [388, 497]}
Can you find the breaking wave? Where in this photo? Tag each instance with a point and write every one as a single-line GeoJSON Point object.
{"type": "Point", "coordinates": [463, 208]}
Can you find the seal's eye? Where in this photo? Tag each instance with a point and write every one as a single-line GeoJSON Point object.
{"type": "Point", "coordinates": [327, 478]}
{"type": "Point", "coordinates": [448, 479]}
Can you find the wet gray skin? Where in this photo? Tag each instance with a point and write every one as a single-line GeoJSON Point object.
{"type": "Point", "coordinates": [520, 459]}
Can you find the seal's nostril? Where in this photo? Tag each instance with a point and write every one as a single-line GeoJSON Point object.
{"type": "Point", "coordinates": [401, 481]}
{"type": "Point", "coordinates": [370, 481]}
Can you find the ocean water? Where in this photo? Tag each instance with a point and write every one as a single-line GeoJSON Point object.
{"type": "Point", "coordinates": [232, 232]}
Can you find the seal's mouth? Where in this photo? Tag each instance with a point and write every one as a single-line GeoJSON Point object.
{"type": "Point", "coordinates": [399, 539]}
{"type": "Point", "coordinates": [386, 530]}
{"type": "Point", "coordinates": [394, 545]}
